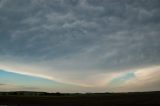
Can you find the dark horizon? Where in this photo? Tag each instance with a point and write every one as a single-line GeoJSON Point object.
{"type": "Point", "coordinates": [87, 99]}
{"type": "Point", "coordinates": [54, 92]}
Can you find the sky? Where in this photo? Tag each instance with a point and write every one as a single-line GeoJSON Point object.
{"type": "Point", "coordinates": [80, 45]}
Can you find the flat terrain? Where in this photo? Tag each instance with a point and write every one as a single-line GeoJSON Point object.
{"type": "Point", "coordinates": [91, 99]}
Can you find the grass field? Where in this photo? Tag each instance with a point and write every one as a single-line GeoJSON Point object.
{"type": "Point", "coordinates": [90, 99]}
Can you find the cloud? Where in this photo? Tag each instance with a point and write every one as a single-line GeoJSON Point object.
{"type": "Point", "coordinates": [13, 87]}
{"type": "Point", "coordinates": [2, 3]}
{"type": "Point", "coordinates": [142, 78]}
{"type": "Point", "coordinates": [145, 79]}
{"type": "Point", "coordinates": [65, 40]}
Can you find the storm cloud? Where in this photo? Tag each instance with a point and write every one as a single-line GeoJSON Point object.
{"type": "Point", "coordinates": [82, 42]}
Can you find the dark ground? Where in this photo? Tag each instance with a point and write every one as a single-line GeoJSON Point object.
{"type": "Point", "coordinates": [91, 99]}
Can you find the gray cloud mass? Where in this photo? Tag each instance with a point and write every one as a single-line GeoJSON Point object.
{"type": "Point", "coordinates": [80, 35]}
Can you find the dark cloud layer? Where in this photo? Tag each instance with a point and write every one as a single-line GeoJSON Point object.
{"type": "Point", "coordinates": [2, 84]}
{"type": "Point", "coordinates": [89, 34]}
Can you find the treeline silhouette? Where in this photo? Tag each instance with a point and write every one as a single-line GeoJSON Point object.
{"type": "Point", "coordinates": [32, 93]}
{"type": "Point", "coordinates": [27, 98]}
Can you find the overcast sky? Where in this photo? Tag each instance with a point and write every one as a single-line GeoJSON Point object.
{"type": "Point", "coordinates": [80, 45]}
